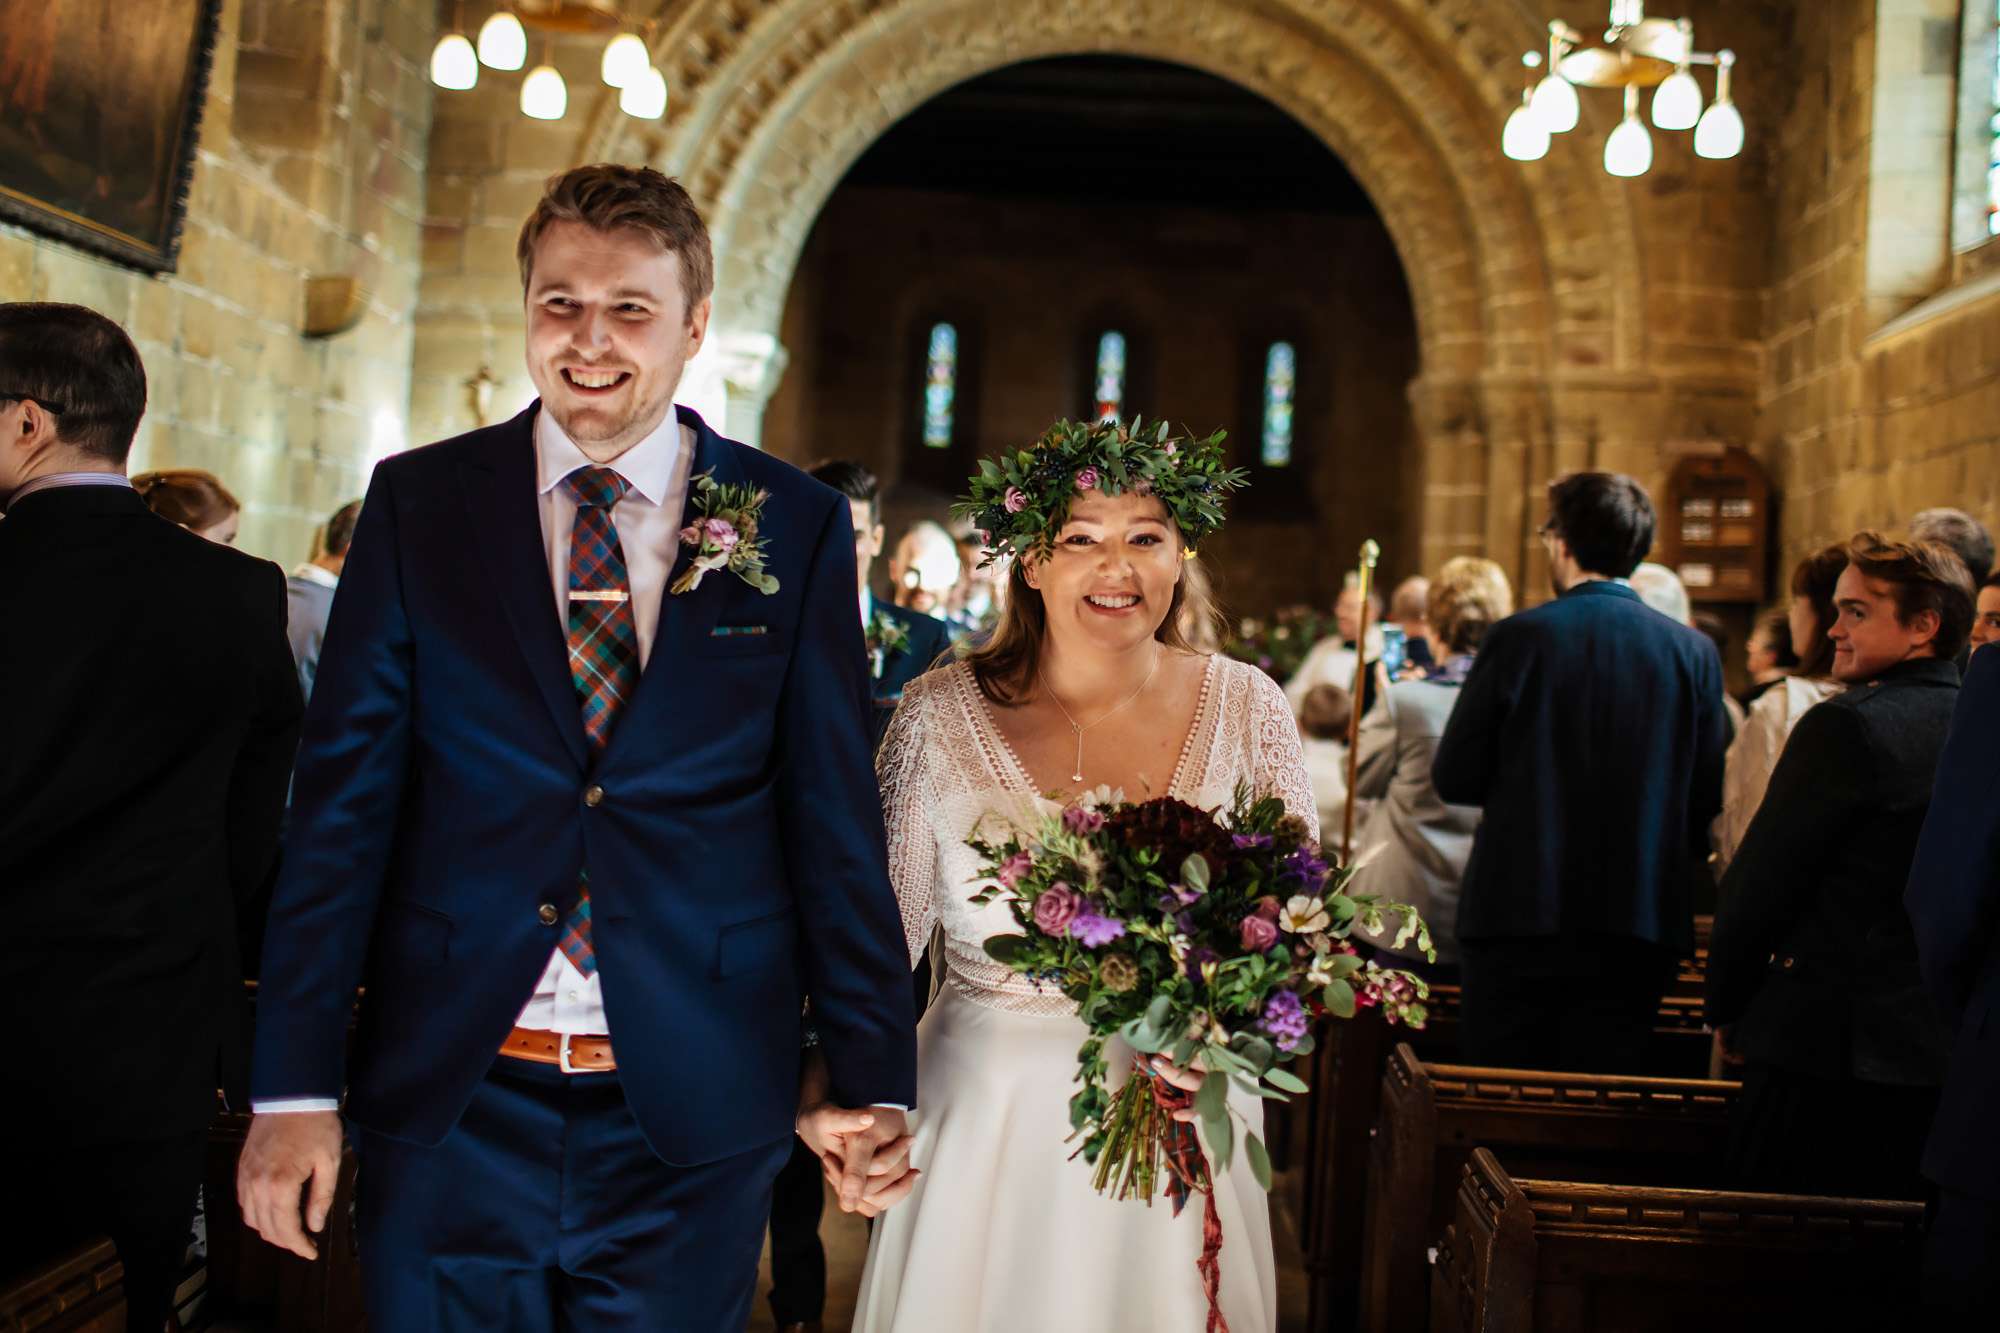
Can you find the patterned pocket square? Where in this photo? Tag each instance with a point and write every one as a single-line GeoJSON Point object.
{"type": "Point", "coordinates": [737, 631]}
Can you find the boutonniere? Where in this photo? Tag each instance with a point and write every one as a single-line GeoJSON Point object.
{"type": "Point", "coordinates": [723, 535]}
{"type": "Point", "coordinates": [886, 638]}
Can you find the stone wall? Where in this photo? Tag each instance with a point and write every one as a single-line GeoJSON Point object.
{"type": "Point", "coordinates": [311, 162]}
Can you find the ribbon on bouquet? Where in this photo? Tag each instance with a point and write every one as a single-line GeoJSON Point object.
{"type": "Point", "coordinates": [1187, 1167]}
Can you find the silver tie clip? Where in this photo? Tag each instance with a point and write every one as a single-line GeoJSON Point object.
{"type": "Point", "coordinates": [600, 595]}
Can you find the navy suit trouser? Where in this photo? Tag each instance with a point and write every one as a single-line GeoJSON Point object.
{"type": "Point", "coordinates": [545, 1209]}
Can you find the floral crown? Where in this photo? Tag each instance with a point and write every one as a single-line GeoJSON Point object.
{"type": "Point", "coordinates": [1021, 500]}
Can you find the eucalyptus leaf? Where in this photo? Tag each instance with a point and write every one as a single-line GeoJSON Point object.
{"type": "Point", "coordinates": [1160, 1011]}
{"type": "Point", "coordinates": [1260, 1160]}
{"type": "Point", "coordinates": [1340, 999]}
{"type": "Point", "coordinates": [1194, 872]}
{"type": "Point", "coordinates": [1256, 1052]}
{"type": "Point", "coordinates": [1142, 1037]}
{"type": "Point", "coordinates": [1213, 1099]}
{"type": "Point", "coordinates": [1221, 1137]}
{"type": "Point", "coordinates": [1286, 1079]}
{"type": "Point", "coordinates": [1343, 966]}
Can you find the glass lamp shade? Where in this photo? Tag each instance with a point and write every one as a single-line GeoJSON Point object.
{"type": "Point", "coordinates": [645, 98]}
{"type": "Point", "coordinates": [1720, 133]}
{"type": "Point", "coordinates": [503, 43]}
{"type": "Point", "coordinates": [453, 63]}
{"type": "Point", "coordinates": [543, 94]}
{"type": "Point", "coordinates": [1629, 150]}
{"type": "Point", "coordinates": [1524, 139]}
{"type": "Point", "coordinates": [1677, 103]}
{"type": "Point", "coordinates": [625, 60]}
{"type": "Point", "coordinates": [1555, 104]}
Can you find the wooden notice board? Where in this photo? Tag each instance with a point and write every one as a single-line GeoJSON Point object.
{"type": "Point", "coordinates": [1716, 527]}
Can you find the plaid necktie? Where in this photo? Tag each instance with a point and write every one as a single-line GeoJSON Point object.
{"type": "Point", "coordinates": [603, 644]}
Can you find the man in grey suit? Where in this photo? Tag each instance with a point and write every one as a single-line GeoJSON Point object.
{"type": "Point", "coordinates": [309, 593]}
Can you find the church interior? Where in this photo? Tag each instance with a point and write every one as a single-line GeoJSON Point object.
{"type": "Point", "coordinates": [1342, 231]}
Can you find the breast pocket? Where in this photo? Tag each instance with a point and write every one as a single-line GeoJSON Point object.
{"type": "Point", "coordinates": [750, 640]}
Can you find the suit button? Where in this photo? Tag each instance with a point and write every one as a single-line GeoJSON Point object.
{"type": "Point", "coordinates": [593, 796]}
{"type": "Point", "coordinates": [548, 913]}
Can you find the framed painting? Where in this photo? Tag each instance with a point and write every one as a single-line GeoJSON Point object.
{"type": "Point", "coordinates": [100, 109]}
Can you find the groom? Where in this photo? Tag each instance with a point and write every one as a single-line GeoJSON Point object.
{"type": "Point", "coordinates": [586, 842]}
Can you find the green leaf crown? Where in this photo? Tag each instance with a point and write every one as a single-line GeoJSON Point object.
{"type": "Point", "coordinates": [1020, 500]}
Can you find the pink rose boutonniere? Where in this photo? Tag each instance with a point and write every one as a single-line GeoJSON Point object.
{"type": "Point", "coordinates": [723, 535]}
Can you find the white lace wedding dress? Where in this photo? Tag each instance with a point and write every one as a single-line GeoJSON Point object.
{"type": "Point", "coordinates": [1003, 1231]}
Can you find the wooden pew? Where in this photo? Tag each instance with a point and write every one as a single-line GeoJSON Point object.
{"type": "Point", "coordinates": [1681, 1039]}
{"type": "Point", "coordinates": [77, 1289]}
{"type": "Point", "coordinates": [1550, 1256]}
{"type": "Point", "coordinates": [1604, 1127]}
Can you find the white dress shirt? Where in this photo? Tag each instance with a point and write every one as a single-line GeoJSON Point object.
{"type": "Point", "coordinates": [55, 479]}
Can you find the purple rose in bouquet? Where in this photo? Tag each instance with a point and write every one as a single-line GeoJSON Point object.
{"type": "Point", "coordinates": [1056, 908]}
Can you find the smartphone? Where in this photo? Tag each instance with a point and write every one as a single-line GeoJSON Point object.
{"type": "Point", "coordinates": [1394, 650]}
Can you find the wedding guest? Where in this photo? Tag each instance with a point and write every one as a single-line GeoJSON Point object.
{"type": "Point", "coordinates": [1754, 754]}
{"type": "Point", "coordinates": [1662, 589]}
{"type": "Point", "coordinates": [1813, 973]}
{"type": "Point", "coordinates": [924, 568]}
{"type": "Point", "coordinates": [1323, 719]}
{"type": "Point", "coordinates": [1960, 531]}
{"type": "Point", "coordinates": [309, 592]}
{"type": "Point", "coordinates": [153, 716]}
{"type": "Point", "coordinates": [1590, 732]}
{"type": "Point", "coordinates": [1953, 900]}
{"type": "Point", "coordinates": [1986, 621]}
{"type": "Point", "coordinates": [1332, 659]}
{"type": "Point", "coordinates": [1408, 611]}
{"type": "Point", "coordinates": [973, 607]}
{"type": "Point", "coordinates": [194, 499]}
{"type": "Point", "coordinates": [1417, 845]}
{"type": "Point", "coordinates": [1768, 655]}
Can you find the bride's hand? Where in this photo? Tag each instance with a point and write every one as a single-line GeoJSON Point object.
{"type": "Point", "coordinates": [1187, 1080]}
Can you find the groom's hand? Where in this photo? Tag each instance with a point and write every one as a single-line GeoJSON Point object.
{"type": "Point", "coordinates": [284, 1151]}
{"type": "Point", "coordinates": [874, 1170]}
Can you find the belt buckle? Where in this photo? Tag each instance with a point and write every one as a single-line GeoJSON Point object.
{"type": "Point", "coordinates": [562, 1057]}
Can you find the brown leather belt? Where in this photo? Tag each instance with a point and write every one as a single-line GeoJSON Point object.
{"type": "Point", "coordinates": [573, 1055]}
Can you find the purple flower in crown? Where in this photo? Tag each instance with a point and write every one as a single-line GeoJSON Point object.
{"type": "Point", "coordinates": [1286, 1020]}
{"type": "Point", "coordinates": [1086, 480]}
{"type": "Point", "coordinates": [1016, 500]}
{"type": "Point", "coordinates": [1057, 908]}
{"type": "Point", "coordinates": [721, 533]}
{"type": "Point", "coordinates": [1092, 929]}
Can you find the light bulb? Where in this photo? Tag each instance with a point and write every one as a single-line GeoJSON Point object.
{"type": "Point", "coordinates": [1720, 133]}
{"type": "Point", "coordinates": [1629, 150]}
{"type": "Point", "coordinates": [503, 44]}
{"type": "Point", "coordinates": [543, 94]}
{"type": "Point", "coordinates": [1524, 139]}
{"type": "Point", "coordinates": [645, 98]}
{"type": "Point", "coordinates": [626, 59]}
{"type": "Point", "coordinates": [1555, 104]}
{"type": "Point", "coordinates": [453, 64]}
{"type": "Point", "coordinates": [1677, 103]}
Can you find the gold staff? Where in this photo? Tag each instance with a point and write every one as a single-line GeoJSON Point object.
{"type": "Point", "coordinates": [1370, 553]}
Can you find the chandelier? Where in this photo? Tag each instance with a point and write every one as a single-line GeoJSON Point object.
{"type": "Point", "coordinates": [1638, 53]}
{"type": "Point", "coordinates": [627, 64]}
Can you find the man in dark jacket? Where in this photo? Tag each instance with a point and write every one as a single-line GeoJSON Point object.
{"type": "Point", "coordinates": [1591, 732]}
{"type": "Point", "coordinates": [1813, 967]}
{"type": "Point", "coordinates": [1954, 904]}
{"type": "Point", "coordinates": [152, 715]}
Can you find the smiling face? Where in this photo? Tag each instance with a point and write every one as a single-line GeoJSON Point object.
{"type": "Point", "coordinates": [609, 333]}
{"type": "Point", "coordinates": [1868, 638]}
{"type": "Point", "coordinates": [1110, 581]}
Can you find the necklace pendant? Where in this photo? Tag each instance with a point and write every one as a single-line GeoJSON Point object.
{"type": "Point", "coordinates": [1076, 777]}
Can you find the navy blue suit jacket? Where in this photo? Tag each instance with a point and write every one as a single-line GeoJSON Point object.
{"type": "Point", "coordinates": [1591, 732]}
{"type": "Point", "coordinates": [736, 856]}
{"type": "Point", "coordinates": [929, 640]}
{"type": "Point", "coordinates": [1954, 904]}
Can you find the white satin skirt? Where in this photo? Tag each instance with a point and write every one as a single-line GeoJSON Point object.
{"type": "Point", "coordinates": [1004, 1232]}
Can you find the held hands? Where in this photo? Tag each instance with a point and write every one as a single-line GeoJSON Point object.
{"type": "Point", "coordinates": [283, 1153]}
{"type": "Point", "coordinates": [864, 1153]}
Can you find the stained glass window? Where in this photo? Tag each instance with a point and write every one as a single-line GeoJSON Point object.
{"type": "Point", "coordinates": [940, 385]}
{"type": "Point", "coordinates": [1993, 148]}
{"type": "Point", "coordinates": [1280, 384]}
{"type": "Point", "coordinates": [1111, 376]}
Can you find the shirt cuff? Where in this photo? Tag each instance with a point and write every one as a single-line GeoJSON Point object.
{"type": "Point", "coordinates": [291, 1105]}
{"type": "Point", "coordinates": [888, 1106]}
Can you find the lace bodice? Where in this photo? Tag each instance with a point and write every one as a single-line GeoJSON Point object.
{"type": "Point", "coordinates": [944, 766]}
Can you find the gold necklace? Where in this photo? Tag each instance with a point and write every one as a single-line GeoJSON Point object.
{"type": "Point", "coordinates": [1079, 730]}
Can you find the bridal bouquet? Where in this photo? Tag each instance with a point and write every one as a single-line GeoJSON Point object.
{"type": "Point", "coordinates": [1213, 940]}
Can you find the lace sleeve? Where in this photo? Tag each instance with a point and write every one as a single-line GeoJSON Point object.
{"type": "Point", "coordinates": [1278, 760]}
{"type": "Point", "coordinates": [908, 794]}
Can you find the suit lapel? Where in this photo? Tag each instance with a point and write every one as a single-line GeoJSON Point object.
{"type": "Point", "coordinates": [501, 497]}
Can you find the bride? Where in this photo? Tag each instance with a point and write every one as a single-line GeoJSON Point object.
{"type": "Point", "coordinates": [1089, 681]}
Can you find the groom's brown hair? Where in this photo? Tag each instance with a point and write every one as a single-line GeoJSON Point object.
{"type": "Point", "coordinates": [607, 196]}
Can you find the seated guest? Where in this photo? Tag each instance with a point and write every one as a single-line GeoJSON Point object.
{"type": "Point", "coordinates": [193, 499]}
{"type": "Point", "coordinates": [972, 608]}
{"type": "Point", "coordinates": [1332, 660]}
{"type": "Point", "coordinates": [1324, 715]}
{"type": "Point", "coordinates": [1953, 900]}
{"type": "Point", "coordinates": [1590, 732]}
{"type": "Point", "coordinates": [1960, 531]}
{"type": "Point", "coordinates": [1768, 655]}
{"type": "Point", "coordinates": [1986, 622]}
{"type": "Point", "coordinates": [309, 592]}
{"type": "Point", "coordinates": [1747, 768]}
{"type": "Point", "coordinates": [1409, 612]}
{"type": "Point", "coordinates": [924, 568]}
{"type": "Point", "coordinates": [1813, 970]}
{"type": "Point", "coordinates": [1417, 845]}
{"type": "Point", "coordinates": [154, 710]}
